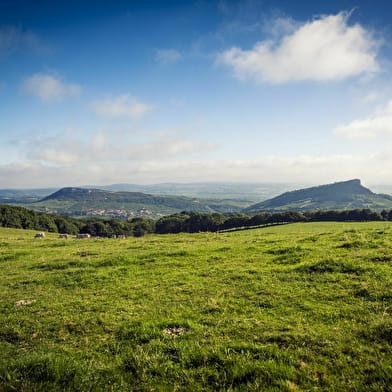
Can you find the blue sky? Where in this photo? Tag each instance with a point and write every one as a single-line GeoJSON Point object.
{"type": "Point", "coordinates": [100, 92]}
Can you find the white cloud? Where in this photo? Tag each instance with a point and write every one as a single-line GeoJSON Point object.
{"type": "Point", "coordinates": [168, 56]}
{"type": "Point", "coordinates": [370, 127]}
{"type": "Point", "coordinates": [121, 106]}
{"type": "Point", "coordinates": [323, 49]}
{"type": "Point", "coordinates": [48, 88]}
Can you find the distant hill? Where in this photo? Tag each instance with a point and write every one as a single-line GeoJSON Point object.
{"type": "Point", "coordinates": [129, 200]}
{"type": "Point", "coordinates": [337, 196]}
{"type": "Point", "coordinates": [97, 202]}
{"type": "Point", "coordinates": [247, 193]}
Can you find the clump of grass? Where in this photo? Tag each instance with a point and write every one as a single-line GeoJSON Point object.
{"type": "Point", "coordinates": [86, 254]}
{"type": "Point", "coordinates": [380, 331]}
{"type": "Point", "coordinates": [380, 259]}
{"type": "Point", "coordinates": [332, 266]}
{"type": "Point", "coordinates": [209, 368]}
{"type": "Point", "coordinates": [48, 372]}
{"type": "Point", "coordinates": [138, 333]}
{"type": "Point", "coordinates": [39, 370]}
{"type": "Point", "coordinates": [312, 238]}
{"type": "Point", "coordinates": [113, 261]}
{"type": "Point", "coordinates": [179, 253]}
{"type": "Point", "coordinates": [53, 267]}
{"type": "Point", "coordinates": [287, 255]}
{"type": "Point", "coordinates": [291, 259]}
{"type": "Point", "coordinates": [286, 250]}
{"type": "Point", "coordinates": [357, 244]}
{"type": "Point", "coordinates": [9, 335]}
{"type": "Point", "coordinates": [12, 256]}
{"type": "Point", "coordinates": [363, 293]}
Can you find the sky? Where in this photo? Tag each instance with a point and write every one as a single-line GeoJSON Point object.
{"type": "Point", "coordinates": [103, 92]}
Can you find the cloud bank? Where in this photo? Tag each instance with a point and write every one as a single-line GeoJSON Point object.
{"type": "Point", "coordinates": [372, 168]}
{"type": "Point", "coordinates": [324, 49]}
{"type": "Point", "coordinates": [114, 147]}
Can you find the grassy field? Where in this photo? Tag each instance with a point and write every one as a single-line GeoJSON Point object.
{"type": "Point", "coordinates": [301, 307]}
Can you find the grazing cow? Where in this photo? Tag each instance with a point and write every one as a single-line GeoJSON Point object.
{"type": "Point", "coordinates": [63, 236]}
{"type": "Point", "coordinates": [83, 236]}
{"type": "Point", "coordinates": [39, 235]}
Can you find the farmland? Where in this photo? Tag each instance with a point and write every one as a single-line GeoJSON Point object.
{"type": "Point", "coordinates": [300, 307]}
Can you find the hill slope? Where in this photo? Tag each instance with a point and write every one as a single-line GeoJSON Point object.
{"type": "Point", "coordinates": [337, 196]}
{"type": "Point", "coordinates": [98, 202]}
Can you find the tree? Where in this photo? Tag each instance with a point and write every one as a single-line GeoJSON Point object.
{"type": "Point", "coordinates": [171, 224]}
{"type": "Point", "coordinates": [65, 226]}
{"type": "Point", "coordinates": [142, 226]}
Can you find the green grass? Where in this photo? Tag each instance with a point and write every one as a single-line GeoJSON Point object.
{"type": "Point", "coordinates": [301, 307]}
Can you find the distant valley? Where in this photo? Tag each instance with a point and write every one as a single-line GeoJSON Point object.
{"type": "Point", "coordinates": [127, 201]}
{"type": "Point", "coordinates": [124, 205]}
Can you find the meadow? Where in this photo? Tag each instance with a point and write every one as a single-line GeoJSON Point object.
{"type": "Point", "coordinates": [299, 307]}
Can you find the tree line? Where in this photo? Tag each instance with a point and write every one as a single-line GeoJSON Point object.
{"type": "Point", "coordinates": [192, 222]}
{"type": "Point", "coordinates": [188, 222]}
{"type": "Point", "coordinates": [22, 218]}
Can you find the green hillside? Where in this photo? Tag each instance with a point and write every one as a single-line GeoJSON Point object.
{"type": "Point", "coordinates": [302, 307]}
{"type": "Point", "coordinates": [242, 192]}
{"type": "Point", "coordinates": [338, 196]}
{"type": "Point", "coordinates": [98, 202]}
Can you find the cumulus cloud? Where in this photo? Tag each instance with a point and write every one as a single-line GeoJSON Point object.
{"type": "Point", "coordinates": [168, 56]}
{"type": "Point", "coordinates": [49, 88]}
{"type": "Point", "coordinates": [370, 127]}
{"type": "Point", "coordinates": [121, 106]}
{"type": "Point", "coordinates": [323, 49]}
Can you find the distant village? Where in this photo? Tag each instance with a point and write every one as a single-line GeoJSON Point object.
{"type": "Point", "coordinates": [114, 213]}
{"type": "Point", "coordinates": [105, 213]}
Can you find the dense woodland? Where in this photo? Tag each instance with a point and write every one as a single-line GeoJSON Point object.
{"type": "Point", "coordinates": [189, 222]}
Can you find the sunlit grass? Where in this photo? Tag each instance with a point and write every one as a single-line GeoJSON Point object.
{"type": "Point", "coordinates": [295, 307]}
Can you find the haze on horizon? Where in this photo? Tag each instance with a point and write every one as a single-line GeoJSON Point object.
{"type": "Point", "coordinates": [192, 91]}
